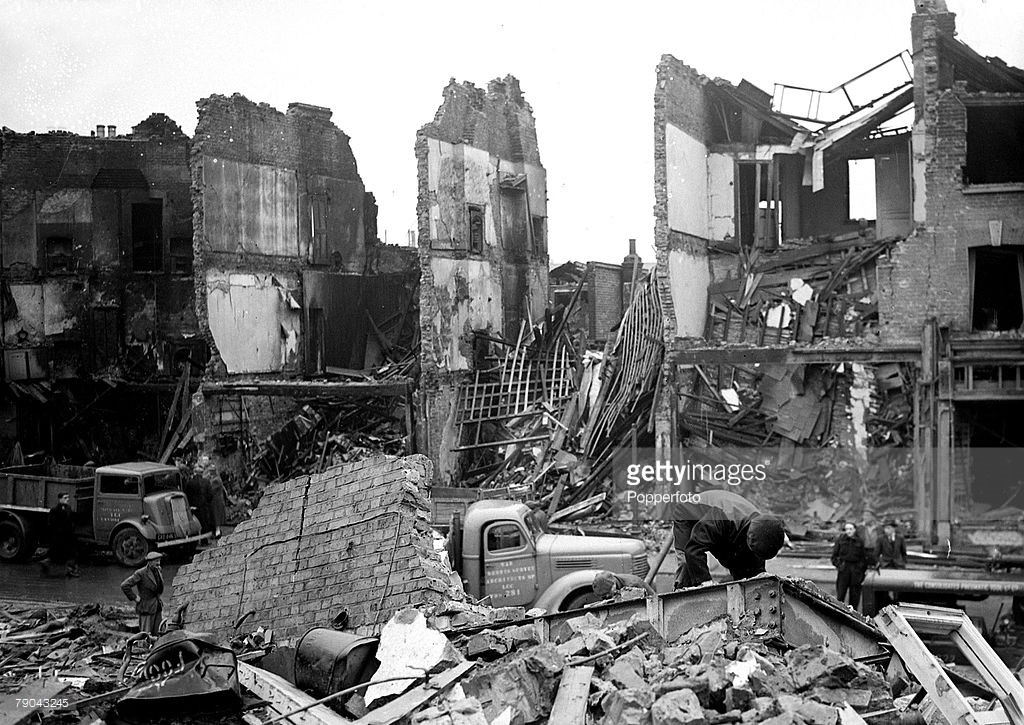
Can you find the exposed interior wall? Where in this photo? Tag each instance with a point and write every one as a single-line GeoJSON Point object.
{"type": "Point", "coordinates": [354, 539]}
{"type": "Point", "coordinates": [690, 273]}
{"type": "Point", "coordinates": [466, 296]}
{"type": "Point", "coordinates": [687, 165]}
{"type": "Point", "coordinates": [721, 204]}
{"type": "Point", "coordinates": [254, 320]}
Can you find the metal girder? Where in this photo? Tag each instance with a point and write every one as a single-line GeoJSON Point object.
{"type": "Point", "coordinates": [793, 355]}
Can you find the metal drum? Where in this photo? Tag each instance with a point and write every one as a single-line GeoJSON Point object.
{"type": "Point", "coordinates": [327, 661]}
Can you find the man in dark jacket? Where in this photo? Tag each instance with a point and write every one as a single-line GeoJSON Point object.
{"type": "Point", "coordinates": [891, 548]}
{"type": "Point", "coordinates": [61, 530]}
{"type": "Point", "coordinates": [850, 559]}
{"type": "Point", "coordinates": [729, 527]}
{"type": "Point", "coordinates": [149, 583]}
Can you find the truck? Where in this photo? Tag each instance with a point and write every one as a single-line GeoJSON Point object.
{"type": "Point", "coordinates": [501, 551]}
{"type": "Point", "coordinates": [130, 508]}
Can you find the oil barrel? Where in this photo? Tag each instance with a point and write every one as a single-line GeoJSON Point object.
{"type": "Point", "coordinates": [327, 661]}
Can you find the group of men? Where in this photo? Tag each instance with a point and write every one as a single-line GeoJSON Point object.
{"type": "Point", "coordinates": [852, 558]}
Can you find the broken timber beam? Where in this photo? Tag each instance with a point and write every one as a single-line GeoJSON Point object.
{"type": "Point", "coordinates": [571, 701]}
{"type": "Point", "coordinates": [392, 388]}
{"type": "Point", "coordinates": [284, 697]}
{"type": "Point", "coordinates": [416, 697]}
{"type": "Point", "coordinates": [792, 355]}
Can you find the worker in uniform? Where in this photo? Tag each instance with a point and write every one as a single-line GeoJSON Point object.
{"type": "Point", "coordinates": [63, 545]}
{"type": "Point", "coordinates": [850, 558]}
{"type": "Point", "coordinates": [728, 526]}
{"type": "Point", "coordinates": [144, 587]}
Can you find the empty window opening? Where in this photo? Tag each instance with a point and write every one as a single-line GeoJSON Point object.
{"type": "Point", "coordinates": [60, 255]}
{"type": "Point", "coordinates": [993, 462]}
{"type": "Point", "coordinates": [502, 537]}
{"type": "Point", "coordinates": [540, 242]}
{"type": "Point", "coordinates": [147, 236]}
{"type": "Point", "coordinates": [476, 227]}
{"type": "Point", "coordinates": [861, 189]}
{"type": "Point", "coordinates": [181, 255]}
{"type": "Point", "coordinates": [996, 288]}
{"type": "Point", "coordinates": [514, 221]}
{"type": "Point", "coordinates": [995, 145]}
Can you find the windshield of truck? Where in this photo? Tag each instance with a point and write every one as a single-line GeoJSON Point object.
{"type": "Point", "coordinates": [157, 482]}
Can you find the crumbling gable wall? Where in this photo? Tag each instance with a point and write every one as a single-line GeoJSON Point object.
{"type": "Point", "coordinates": [277, 198]}
{"type": "Point", "coordinates": [930, 275]}
{"type": "Point", "coordinates": [482, 222]}
{"type": "Point", "coordinates": [354, 539]}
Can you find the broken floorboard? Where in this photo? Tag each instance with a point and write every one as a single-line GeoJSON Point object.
{"type": "Point", "coordinates": [284, 697]}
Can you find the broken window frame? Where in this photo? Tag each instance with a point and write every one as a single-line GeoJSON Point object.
{"type": "Point", "coordinates": [60, 262]}
{"type": "Point", "coordinates": [767, 183]}
{"type": "Point", "coordinates": [972, 257]}
{"type": "Point", "coordinates": [476, 220]}
{"type": "Point", "coordinates": [1013, 183]}
{"type": "Point", "coordinates": [539, 236]}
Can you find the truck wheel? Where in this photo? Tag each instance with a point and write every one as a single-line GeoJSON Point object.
{"type": "Point", "coordinates": [130, 547]}
{"type": "Point", "coordinates": [15, 543]}
{"type": "Point", "coordinates": [579, 599]}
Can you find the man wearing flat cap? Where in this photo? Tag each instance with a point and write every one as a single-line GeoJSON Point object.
{"type": "Point", "coordinates": [148, 582]}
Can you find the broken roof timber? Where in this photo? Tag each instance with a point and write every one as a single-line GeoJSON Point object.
{"type": "Point", "coordinates": [984, 72]}
{"type": "Point", "coordinates": [396, 387]}
{"type": "Point", "coordinates": [777, 120]}
{"type": "Point", "coordinates": [792, 354]}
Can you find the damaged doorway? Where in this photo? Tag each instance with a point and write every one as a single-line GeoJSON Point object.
{"type": "Point", "coordinates": [757, 198]}
{"type": "Point", "coordinates": [147, 236]}
{"type": "Point", "coordinates": [996, 289]}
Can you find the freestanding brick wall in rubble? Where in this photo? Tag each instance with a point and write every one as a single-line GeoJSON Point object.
{"type": "Point", "coordinates": [355, 538]}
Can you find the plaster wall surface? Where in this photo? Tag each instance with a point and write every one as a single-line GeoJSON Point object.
{"type": "Point", "coordinates": [687, 166]}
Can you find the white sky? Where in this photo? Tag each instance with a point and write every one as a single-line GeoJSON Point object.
{"type": "Point", "coordinates": [587, 69]}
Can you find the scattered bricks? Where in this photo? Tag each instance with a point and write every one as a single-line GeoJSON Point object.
{"type": "Point", "coordinates": [697, 685]}
{"type": "Point", "coordinates": [522, 634]}
{"type": "Point", "coordinates": [785, 718]}
{"type": "Point", "coordinates": [720, 718]}
{"type": "Point", "coordinates": [526, 682]}
{"type": "Point", "coordinates": [858, 699]}
{"type": "Point", "coordinates": [639, 624]}
{"type": "Point", "coordinates": [738, 698]}
{"type": "Point", "coordinates": [627, 707]}
{"type": "Point", "coordinates": [506, 614]}
{"type": "Point", "coordinates": [572, 647]}
{"type": "Point", "coordinates": [488, 645]}
{"type": "Point", "coordinates": [466, 711]}
{"type": "Point", "coordinates": [678, 708]}
{"type": "Point", "coordinates": [814, 712]}
{"type": "Point", "coordinates": [624, 674]}
{"type": "Point", "coordinates": [813, 664]}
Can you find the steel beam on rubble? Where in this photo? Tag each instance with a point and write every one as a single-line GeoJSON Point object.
{"type": "Point", "coordinates": [793, 355]}
{"type": "Point", "coordinates": [789, 609]}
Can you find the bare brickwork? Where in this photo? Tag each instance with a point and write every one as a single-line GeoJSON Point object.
{"type": "Point", "coordinates": [354, 539]}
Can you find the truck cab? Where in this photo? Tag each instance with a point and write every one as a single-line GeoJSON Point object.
{"type": "Point", "coordinates": [503, 552]}
{"type": "Point", "coordinates": [139, 506]}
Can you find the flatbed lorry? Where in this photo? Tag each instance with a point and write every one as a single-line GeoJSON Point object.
{"type": "Point", "coordinates": [130, 508]}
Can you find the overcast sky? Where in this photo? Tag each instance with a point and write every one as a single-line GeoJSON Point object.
{"type": "Point", "coordinates": [588, 73]}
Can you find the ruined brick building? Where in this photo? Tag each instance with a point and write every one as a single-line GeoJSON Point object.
{"type": "Point", "coordinates": [482, 219]}
{"type": "Point", "coordinates": [137, 266]}
{"type": "Point", "coordinates": [796, 323]}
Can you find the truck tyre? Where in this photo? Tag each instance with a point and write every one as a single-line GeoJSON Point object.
{"type": "Point", "coordinates": [17, 542]}
{"type": "Point", "coordinates": [579, 599]}
{"type": "Point", "coordinates": [130, 547]}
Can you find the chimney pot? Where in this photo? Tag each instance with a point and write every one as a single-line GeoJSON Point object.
{"type": "Point", "coordinates": [632, 246]}
{"type": "Point", "coordinates": [99, 131]}
{"type": "Point", "coordinates": [111, 131]}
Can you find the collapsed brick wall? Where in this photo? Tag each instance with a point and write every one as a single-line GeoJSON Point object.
{"type": "Point", "coordinates": [355, 538]}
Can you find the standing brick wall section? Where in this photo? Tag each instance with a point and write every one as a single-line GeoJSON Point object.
{"type": "Point", "coordinates": [929, 275]}
{"type": "Point", "coordinates": [605, 282]}
{"type": "Point", "coordinates": [355, 538]}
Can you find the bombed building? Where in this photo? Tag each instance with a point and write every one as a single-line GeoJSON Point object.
{"type": "Point", "coordinates": [161, 291]}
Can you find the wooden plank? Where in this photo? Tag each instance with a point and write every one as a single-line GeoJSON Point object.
{"type": "Point", "coordinates": [416, 697]}
{"type": "Point", "coordinates": [571, 701]}
{"type": "Point", "coordinates": [285, 697]}
{"type": "Point", "coordinates": [922, 664]}
{"type": "Point", "coordinates": [13, 713]}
